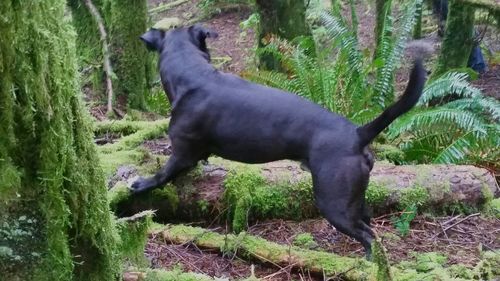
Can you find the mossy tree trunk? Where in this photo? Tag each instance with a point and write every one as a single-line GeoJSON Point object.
{"type": "Point", "coordinates": [89, 45]}
{"type": "Point", "coordinates": [132, 62]}
{"type": "Point", "coordinates": [54, 216]}
{"type": "Point", "coordinates": [284, 18]}
{"type": "Point", "coordinates": [125, 21]}
{"type": "Point", "coordinates": [458, 38]}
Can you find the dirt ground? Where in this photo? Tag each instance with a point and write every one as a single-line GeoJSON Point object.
{"type": "Point", "coordinates": [459, 237]}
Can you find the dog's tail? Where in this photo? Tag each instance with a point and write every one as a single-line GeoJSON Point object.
{"type": "Point", "coordinates": [410, 97]}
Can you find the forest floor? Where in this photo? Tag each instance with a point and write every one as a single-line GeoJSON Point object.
{"type": "Point", "coordinates": [461, 238]}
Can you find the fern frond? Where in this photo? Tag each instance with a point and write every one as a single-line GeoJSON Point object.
{"type": "Point", "coordinates": [273, 79]}
{"type": "Point", "coordinates": [392, 52]}
{"type": "Point", "coordinates": [451, 83]}
{"type": "Point", "coordinates": [347, 41]}
{"type": "Point", "coordinates": [464, 120]}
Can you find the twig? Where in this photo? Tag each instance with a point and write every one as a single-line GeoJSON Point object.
{"type": "Point", "coordinates": [458, 222]}
{"type": "Point", "coordinates": [105, 52]}
{"type": "Point", "coordinates": [167, 6]}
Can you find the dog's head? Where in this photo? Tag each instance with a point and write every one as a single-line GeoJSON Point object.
{"type": "Point", "coordinates": [156, 39]}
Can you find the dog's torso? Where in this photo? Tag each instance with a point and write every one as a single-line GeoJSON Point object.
{"type": "Point", "coordinates": [251, 123]}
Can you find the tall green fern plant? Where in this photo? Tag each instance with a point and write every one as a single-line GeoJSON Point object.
{"type": "Point", "coordinates": [465, 129]}
{"type": "Point", "coordinates": [340, 78]}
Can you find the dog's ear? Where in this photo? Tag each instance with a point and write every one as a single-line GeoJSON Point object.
{"type": "Point", "coordinates": [153, 39]}
{"type": "Point", "coordinates": [201, 33]}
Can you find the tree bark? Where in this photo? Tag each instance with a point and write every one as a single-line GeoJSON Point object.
{"type": "Point", "coordinates": [458, 38]}
{"type": "Point", "coordinates": [54, 215]}
{"type": "Point", "coordinates": [283, 18]}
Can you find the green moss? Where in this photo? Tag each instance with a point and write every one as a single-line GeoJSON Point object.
{"type": "Point", "coordinates": [248, 195]}
{"type": "Point", "coordinates": [133, 233]}
{"type": "Point", "coordinates": [493, 208]}
{"type": "Point", "coordinates": [126, 150]}
{"type": "Point", "coordinates": [149, 130]}
{"type": "Point", "coordinates": [57, 180]}
{"type": "Point", "coordinates": [416, 196]}
{"type": "Point", "coordinates": [132, 62]}
{"type": "Point", "coordinates": [389, 152]}
{"type": "Point", "coordinates": [381, 260]}
{"type": "Point", "coordinates": [305, 240]}
{"type": "Point", "coordinates": [429, 261]}
{"type": "Point", "coordinates": [376, 195]}
{"type": "Point", "coordinates": [460, 271]}
{"type": "Point", "coordinates": [247, 245]}
{"type": "Point", "coordinates": [88, 45]}
{"type": "Point", "coordinates": [164, 201]}
{"type": "Point", "coordinates": [174, 275]}
{"type": "Point", "coordinates": [459, 32]}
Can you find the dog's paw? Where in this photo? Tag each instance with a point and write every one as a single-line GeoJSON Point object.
{"type": "Point", "coordinates": [139, 185]}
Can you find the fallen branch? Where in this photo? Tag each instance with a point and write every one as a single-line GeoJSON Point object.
{"type": "Point", "coordinates": [458, 222]}
{"type": "Point", "coordinates": [167, 6]}
{"type": "Point", "coordinates": [268, 252]}
{"type": "Point", "coordinates": [105, 52]}
{"type": "Point", "coordinates": [317, 263]}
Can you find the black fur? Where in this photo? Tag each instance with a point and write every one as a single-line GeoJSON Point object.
{"type": "Point", "coordinates": [222, 114]}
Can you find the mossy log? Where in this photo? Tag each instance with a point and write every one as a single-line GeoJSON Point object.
{"type": "Point", "coordinates": [282, 190]}
{"type": "Point", "coordinates": [164, 275]}
{"type": "Point", "coordinates": [428, 266]}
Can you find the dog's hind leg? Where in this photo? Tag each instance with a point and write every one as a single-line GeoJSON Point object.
{"type": "Point", "coordinates": [184, 157]}
{"type": "Point", "coordinates": [339, 189]}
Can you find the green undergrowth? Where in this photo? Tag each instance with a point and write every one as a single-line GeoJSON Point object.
{"type": "Point", "coordinates": [127, 150]}
{"type": "Point", "coordinates": [174, 275]}
{"type": "Point", "coordinates": [133, 232]}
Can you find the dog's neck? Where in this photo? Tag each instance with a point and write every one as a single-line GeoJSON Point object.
{"type": "Point", "coordinates": [181, 66]}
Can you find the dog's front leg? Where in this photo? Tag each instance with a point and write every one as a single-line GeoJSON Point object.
{"type": "Point", "coordinates": [173, 167]}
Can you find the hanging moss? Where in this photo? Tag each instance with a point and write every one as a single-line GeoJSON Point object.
{"type": "Point", "coordinates": [131, 61]}
{"type": "Point", "coordinates": [49, 177]}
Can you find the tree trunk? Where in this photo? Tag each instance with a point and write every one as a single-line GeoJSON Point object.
{"type": "Point", "coordinates": [283, 18]}
{"type": "Point", "coordinates": [54, 216]}
{"type": "Point", "coordinates": [131, 61]}
{"type": "Point", "coordinates": [88, 45]}
{"type": "Point", "coordinates": [417, 30]}
{"type": "Point", "coordinates": [458, 38]}
{"type": "Point", "coordinates": [382, 11]}
{"type": "Point", "coordinates": [282, 190]}
{"type": "Point", "coordinates": [105, 52]}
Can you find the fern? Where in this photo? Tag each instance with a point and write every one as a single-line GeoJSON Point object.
{"type": "Point", "coordinates": [391, 52]}
{"type": "Point", "coordinates": [463, 130]}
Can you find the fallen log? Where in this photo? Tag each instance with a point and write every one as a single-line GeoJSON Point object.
{"type": "Point", "coordinates": [428, 266]}
{"type": "Point", "coordinates": [243, 193]}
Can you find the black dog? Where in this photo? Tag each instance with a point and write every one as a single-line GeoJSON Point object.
{"type": "Point", "coordinates": [222, 114]}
